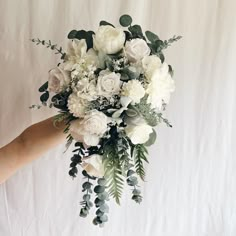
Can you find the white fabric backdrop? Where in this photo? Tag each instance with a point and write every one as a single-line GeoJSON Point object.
{"type": "Point", "coordinates": [191, 179]}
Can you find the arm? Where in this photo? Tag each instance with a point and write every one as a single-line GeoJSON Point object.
{"type": "Point", "coordinates": [29, 145]}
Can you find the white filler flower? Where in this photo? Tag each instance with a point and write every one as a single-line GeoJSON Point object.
{"type": "Point", "coordinates": [134, 90]}
{"type": "Point", "coordinates": [108, 39]}
{"type": "Point", "coordinates": [93, 165]}
{"type": "Point", "coordinates": [90, 129]}
{"type": "Point", "coordinates": [136, 50]}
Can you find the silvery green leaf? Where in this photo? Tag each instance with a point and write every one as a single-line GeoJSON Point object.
{"type": "Point", "coordinates": [152, 138]}
{"type": "Point", "coordinates": [131, 113]}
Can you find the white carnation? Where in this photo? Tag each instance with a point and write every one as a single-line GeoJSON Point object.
{"type": "Point", "coordinates": [77, 105]}
{"type": "Point", "coordinates": [136, 50]}
{"type": "Point", "coordinates": [108, 39]}
{"type": "Point", "coordinates": [108, 83]}
{"type": "Point", "coordinates": [134, 90]}
{"type": "Point", "coordinates": [159, 89]}
{"type": "Point", "coordinates": [138, 130]}
{"type": "Point", "coordinates": [93, 165]}
{"type": "Point", "coordinates": [58, 80]}
{"type": "Point", "coordinates": [90, 129]}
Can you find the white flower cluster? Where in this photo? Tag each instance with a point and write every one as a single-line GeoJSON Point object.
{"type": "Point", "coordinates": [88, 80]}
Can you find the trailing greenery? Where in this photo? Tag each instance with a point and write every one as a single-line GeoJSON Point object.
{"type": "Point", "coordinates": [113, 171]}
{"type": "Point", "coordinates": [133, 181]}
{"type": "Point", "coordinates": [51, 46]}
{"type": "Point", "coordinates": [100, 202]}
{"type": "Point", "coordinates": [87, 188]}
{"type": "Point", "coordinates": [140, 155]}
{"type": "Point", "coordinates": [76, 159]}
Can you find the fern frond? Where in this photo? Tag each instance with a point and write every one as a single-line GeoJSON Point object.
{"type": "Point", "coordinates": [113, 173]}
{"type": "Point", "coordinates": [140, 155]}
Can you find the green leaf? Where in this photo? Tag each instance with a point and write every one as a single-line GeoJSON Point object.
{"type": "Point", "coordinates": [152, 138]}
{"type": "Point", "coordinates": [72, 34]}
{"type": "Point", "coordinates": [136, 31]}
{"type": "Point", "coordinates": [86, 185]}
{"type": "Point", "coordinates": [102, 181]}
{"type": "Point", "coordinates": [140, 153]}
{"type": "Point", "coordinates": [113, 172]}
{"type": "Point", "coordinates": [44, 87]}
{"type": "Point", "coordinates": [151, 36]}
{"type": "Point", "coordinates": [103, 22]}
{"type": "Point", "coordinates": [125, 20]}
{"type": "Point", "coordinates": [44, 97]}
{"type": "Point", "coordinates": [99, 189]}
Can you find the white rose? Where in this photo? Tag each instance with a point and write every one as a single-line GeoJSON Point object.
{"type": "Point", "coordinates": [108, 83]}
{"type": "Point", "coordinates": [136, 50]}
{"type": "Point", "coordinates": [90, 129]}
{"type": "Point", "coordinates": [108, 39]}
{"type": "Point", "coordinates": [134, 90]}
{"type": "Point", "coordinates": [159, 89]}
{"type": "Point", "coordinates": [93, 165]}
{"type": "Point", "coordinates": [150, 64]}
{"type": "Point", "coordinates": [137, 130]}
{"type": "Point", "coordinates": [77, 105]}
{"type": "Point", "coordinates": [58, 80]}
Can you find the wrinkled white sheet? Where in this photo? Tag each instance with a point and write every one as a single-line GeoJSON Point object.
{"type": "Point", "coordinates": [191, 178]}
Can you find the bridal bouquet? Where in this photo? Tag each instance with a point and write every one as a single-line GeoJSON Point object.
{"type": "Point", "coordinates": [111, 88]}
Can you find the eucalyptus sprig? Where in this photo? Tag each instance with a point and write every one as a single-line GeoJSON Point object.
{"type": "Point", "coordinates": [87, 188]}
{"type": "Point", "coordinates": [100, 202]}
{"type": "Point", "coordinates": [50, 45]}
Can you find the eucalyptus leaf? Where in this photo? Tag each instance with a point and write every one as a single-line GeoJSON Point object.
{"type": "Point", "coordinates": [99, 189]}
{"type": "Point", "coordinates": [87, 185]}
{"type": "Point", "coordinates": [152, 138]}
{"type": "Point", "coordinates": [102, 181]}
{"type": "Point", "coordinates": [103, 22]}
{"type": "Point", "coordinates": [44, 97]}
{"type": "Point", "coordinates": [125, 20]}
{"type": "Point", "coordinates": [104, 218]}
{"type": "Point", "coordinates": [44, 87]}
{"type": "Point", "coordinates": [151, 36]}
{"type": "Point", "coordinates": [136, 31]}
{"type": "Point", "coordinates": [72, 34]}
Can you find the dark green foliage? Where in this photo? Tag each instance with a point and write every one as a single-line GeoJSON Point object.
{"type": "Point", "coordinates": [103, 22]}
{"type": "Point", "coordinates": [136, 31]}
{"type": "Point", "coordinates": [151, 36]}
{"type": "Point", "coordinates": [59, 101]}
{"type": "Point", "coordinates": [44, 97]}
{"type": "Point", "coordinates": [82, 34]}
{"type": "Point", "coordinates": [125, 20]}
{"type": "Point", "coordinates": [76, 160]}
{"type": "Point", "coordinates": [44, 87]}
